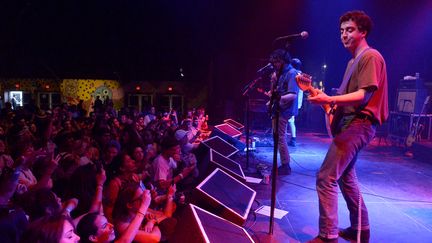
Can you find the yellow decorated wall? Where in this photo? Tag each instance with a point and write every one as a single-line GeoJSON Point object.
{"type": "Point", "coordinates": [74, 90]}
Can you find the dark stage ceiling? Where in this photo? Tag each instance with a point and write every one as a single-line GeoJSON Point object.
{"type": "Point", "coordinates": [223, 41]}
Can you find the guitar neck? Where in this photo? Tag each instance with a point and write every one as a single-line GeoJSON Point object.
{"type": "Point", "coordinates": [314, 92]}
{"type": "Point", "coordinates": [422, 110]}
{"type": "Point", "coordinates": [304, 81]}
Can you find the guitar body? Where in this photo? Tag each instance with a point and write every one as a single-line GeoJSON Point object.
{"type": "Point", "coordinates": [282, 104]}
{"type": "Point", "coordinates": [304, 81]}
{"type": "Point", "coordinates": [414, 135]}
{"type": "Point", "coordinates": [328, 123]}
{"type": "Point", "coordinates": [416, 130]}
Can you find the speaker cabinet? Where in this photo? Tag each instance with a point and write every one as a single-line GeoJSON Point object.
{"type": "Point", "coordinates": [233, 123]}
{"type": "Point", "coordinates": [228, 165]}
{"type": "Point", "coordinates": [228, 130]}
{"type": "Point", "coordinates": [203, 153]}
{"type": "Point", "coordinates": [229, 134]}
{"type": "Point", "coordinates": [223, 195]}
{"type": "Point", "coordinates": [220, 145]}
{"type": "Point", "coordinates": [200, 226]}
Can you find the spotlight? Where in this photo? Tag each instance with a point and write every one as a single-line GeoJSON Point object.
{"type": "Point", "coordinates": [181, 72]}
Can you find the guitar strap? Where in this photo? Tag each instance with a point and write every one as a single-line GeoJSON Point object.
{"type": "Point", "coordinates": [275, 98]}
{"type": "Point", "coordinates": [347, 77]}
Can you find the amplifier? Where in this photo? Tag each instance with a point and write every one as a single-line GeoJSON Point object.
{"type": "Point", "coordinates": [410, 100]}
{"type": "Point", "coordinates": [411, 84]}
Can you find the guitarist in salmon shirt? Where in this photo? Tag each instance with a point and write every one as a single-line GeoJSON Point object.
{"type": "Point", "coordinates": [287, 89]}
{"type": "Point", "coordinates": [360, 105]}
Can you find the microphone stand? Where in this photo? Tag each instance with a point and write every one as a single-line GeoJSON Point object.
{"type": "Point", "coordinates": [245, 92]}
{"type": "Point", "coordinates": [274, 107]}
{"type": "Point", "coordinates": [275, 112]}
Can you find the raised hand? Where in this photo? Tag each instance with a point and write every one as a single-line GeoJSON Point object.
{"type": "Point", "coordinates": [146, 199]}
{"type": "Point", "coordinates": [101, 177]}
{"type": "Point", "coordinates": [56, 160]}
{"type": "Point", "coordinates": [187, 170]}
{"type": "Point", "coordinates": [70, 205]}
{"type": "Point", "coordinates": [172, 190]}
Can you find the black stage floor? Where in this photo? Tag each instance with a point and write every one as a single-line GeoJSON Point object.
{"type": "Point", "coordinates": [396, 189]}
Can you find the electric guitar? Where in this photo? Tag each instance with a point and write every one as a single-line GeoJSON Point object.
{"type": "Point", "coordinates": [282, 104]}
{"type": "Point", "coordinates": [304, 82]}
{"type": "Point", "coordinates": [416, 129]}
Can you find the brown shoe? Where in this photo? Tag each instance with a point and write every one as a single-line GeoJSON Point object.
{"type": "Point", "coordinates": [320, 239]}
{"type": "Point", "coordinates": [284, 169]}
{"type": "Point", "coordinates": [351, 234]}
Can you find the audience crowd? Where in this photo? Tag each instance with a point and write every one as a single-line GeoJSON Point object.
{"type": "Point", "coordinates": [107, 176]}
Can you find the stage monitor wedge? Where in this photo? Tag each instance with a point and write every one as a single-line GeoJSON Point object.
{"type": "Point", "coordinates": [226, 164]}
{"type": "Point", "coordinates": [228, 130]}
{"type": "Point", "coordinates": [233, 123]}
{"type": "Point", "coordinates": [229, 134]}
{"type": "Point", "coordinates": [223, 195]}
{"type": "Point", "coordinates": [220, 145]}
{"type": "Point", "coordinates": [201, 226]}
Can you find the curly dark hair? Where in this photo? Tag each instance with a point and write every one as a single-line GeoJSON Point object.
{"type": "Point", "coordinates": [363, 21]}
{"type": "Point", "coordinates": [38, 203]}
{"type": "Point", "coordinates": [280, 54]}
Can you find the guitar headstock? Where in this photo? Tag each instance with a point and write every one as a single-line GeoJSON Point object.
{"type": "Point", "coordinates": [304, 81]}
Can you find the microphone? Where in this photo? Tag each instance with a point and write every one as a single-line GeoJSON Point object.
{"type": "Point", "coordinates": [302, 35]}
{"type": "Point", "coordinates": [267, 68]}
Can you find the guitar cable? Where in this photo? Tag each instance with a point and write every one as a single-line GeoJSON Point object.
{"type": "Point", "coordinates": [359, 209]}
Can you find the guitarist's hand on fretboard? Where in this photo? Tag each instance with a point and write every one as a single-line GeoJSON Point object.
{"type": "Point", "coordinates": [317, 96]}
{"type": "Point", "coordinates": [262, 91]}
{"type": "Point", "coordinates": [320, 98]}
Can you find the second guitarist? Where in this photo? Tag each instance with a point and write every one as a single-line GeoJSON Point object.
{"type": "Point", "coordinates": [286, 87]}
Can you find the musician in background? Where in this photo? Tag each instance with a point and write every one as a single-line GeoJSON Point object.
{"type": "Point", "coordinates": [284, 77]}
{"type": "Point", "coordinates": [362, 104]}
{"type": "Point", "coordinates": [296, 63]}
{"type": "Point", "coordinates": [14, 102]}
